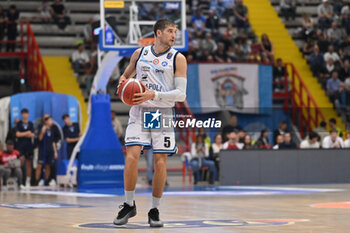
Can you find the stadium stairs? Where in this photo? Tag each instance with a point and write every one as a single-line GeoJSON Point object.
{"type": "Point", "coordinates": [264, 19]}
{"type": "Point", "coordinates": [63, 81]}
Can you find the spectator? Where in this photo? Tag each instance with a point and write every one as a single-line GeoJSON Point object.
{"type": "Point", "coordinates": [279, 74]}
{"type": "Point", "coordinates": [279, 140]}
{"type": "Point", "coordinates": [207, 44]}
{"type": "Point", "coordinates": [288, 9]}
{"type": "Point", "coordinates": [337, 6]}
{"type": "Point", "coordinates": [2, 25]}
{"type": "Point", "coordinates": [322, 43]}
{"type": "Point", "coordinates": [331, 54]}
{"type": "Point", "coordinates": [344, 71]}
{"type": "Point", "coordinates": [335, 35]}
{"type": "Point", "coordinates": [11, 135]}
{"type": "Point", "coordinates": [347, 141]}
{"type": "Point", "coordinates": [47, 150]}
{"type": "Point", "coordinates": [308, 27]}
{"type": "Point", "coordinates": [206, 138]}
{"type": "Point", "coordinates": [243, 48]}
{"type": "Point", "coordinates": [241, 15]}
{"type": "Point", "coordinates": [80, 59]}
{"type": "Point", "coordinates": [214, 151]}
{"type": "Point", "coordinates": [288, 143]}
{"type": "Point", "coordinates": [347, 91]}
{"type": "Point", "coordinates": [44, 10]}
{"type": "Point", "coordinates": [12, 163]}
{"type": "Point", "coordinates": [311, 142]}
{"type": "Point", "coordinates": [308, 46]}
{"type": "Point", "coordinates": [316, 61]}
{"type": "Point", "coordinates": [345, 19]}
{"type": "Point", "coordinates": [241, 134]}
{"type": "Point", "coordinates": [332, 141]}
{"type": "Point", "coordinates": [263, 141]}
{"type": "Point", "coordinates": [321, 130]}
{"type": "Point", "coordinates": [229, 7]}
{"type": "Point", "coordinates": [25, 135]}
{"type": "Point", "coordinates": [333, 125]}
{"type": "Point", "coordinates": [267, 47]}
{"type": "Point", "coordinates": [232, 127]}
{"type": "Point", "coordinates": [325, 14]}
{"type": "Point", "coordinates": [326, 72]}
{"type": "Point", "coordinates": [333, 85]}
{"type": "Point", "coordinates": [12, 18]}
{"type": "Point", "coordinates": [207, 57]}
{"type": "Point", "coordinates": [247, 142]}
{"type": "Point", "coordinates": [212, 23]}
{"type": "Point", "coordinates": [59, 14]}
{"type": "Point", "coordinates": [161, 14]}
{"type": "Point", "coordinates": [198, 21]}
{"type": "Point", "coordinates": [220, 55]}
{"type": "Point", "coordinates": [232, 142]}
{"type": "Point", "coordinates": [282, 128]}
{"type": "Point", "coordinates": [255, 49]}
{"type": "Point", "coordinates": [71, 132]}
{"type": "Point", "coordinates": [231, 53]}
{"type": "Point", "coordinates": [144, 12]}
{"type": "Point", "coordinates": [200, 154]}
{"type": "Point", "coordinates": [229, 36]}
{"type": "Point", "coordinates": [117, 126]}
{"type": "Point", "coordinates": [89, 31]}
{"type": "Point", "coordinates": [218, 7]}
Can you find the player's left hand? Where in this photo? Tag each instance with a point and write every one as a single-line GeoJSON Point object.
{"type": "Point", "coordinates": [139, 98]}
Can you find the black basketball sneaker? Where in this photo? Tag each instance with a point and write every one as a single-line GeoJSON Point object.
{"type": "Point", "coordinates": [153, 218]}
{"type": "Point", "coordinates": [125, 213]}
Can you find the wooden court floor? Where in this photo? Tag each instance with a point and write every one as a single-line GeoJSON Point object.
{"type": "Point", "coordinates": [247, 209]}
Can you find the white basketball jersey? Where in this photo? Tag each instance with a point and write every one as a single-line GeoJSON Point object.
{"type": "Point", "coordinates": [157, 71]}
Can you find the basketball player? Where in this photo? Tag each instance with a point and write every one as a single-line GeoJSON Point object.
{"type": "Point", "coordinates": [162, 70]}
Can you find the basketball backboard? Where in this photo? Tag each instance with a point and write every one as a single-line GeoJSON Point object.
{"type": "Point", "coordinates": [128, 25]}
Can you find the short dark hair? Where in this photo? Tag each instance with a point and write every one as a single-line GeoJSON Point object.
{"type": "Point", "coordinates": [333, 131]}
{"type": "Point", "coordinates": [332, 120]}
{"type": "Point", "coordinates": [24, 110]}
{"type": "Point", "coordinates": [323, 124]}
{"type": "Point", "coordinates": [65, 116]}
{"type": "Point", "coordinates": [161, 24]}
{"type": "Point", "coordinates": [313, 135]}
{"type": "Point", "coordinates": [13, 7]}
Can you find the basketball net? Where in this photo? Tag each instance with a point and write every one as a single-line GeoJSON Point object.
{"type": "Point", "coordinates": [143, 42]}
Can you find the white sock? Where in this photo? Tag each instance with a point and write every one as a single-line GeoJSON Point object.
{"type": "Point", "coordinates": [155, 202]}
{"type": "Point", "coordinates": [129, 197]}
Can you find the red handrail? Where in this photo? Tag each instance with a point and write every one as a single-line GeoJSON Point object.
{"type": "Point", "coordinates": [33, 70]}
{"type": "Point", "coordinates": [187, 135]}
{"type": "Point", "coordinates": [305, 111]}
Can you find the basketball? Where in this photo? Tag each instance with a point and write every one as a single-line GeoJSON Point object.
{"type": "Point", "coordinates": [128, 88]}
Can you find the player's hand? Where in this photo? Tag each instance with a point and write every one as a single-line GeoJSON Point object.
{"type": "Point", "coordinates": [43, 129]}
{"type": "Point", "coordinates": [139, 98]}
{"type": "Point", "coordinates": [121, 80]}
{"type": "Point", "coordinates": [55, 155]}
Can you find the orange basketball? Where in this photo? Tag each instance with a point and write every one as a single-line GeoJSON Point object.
{"type": "Point", "coordinates": [128, 88]}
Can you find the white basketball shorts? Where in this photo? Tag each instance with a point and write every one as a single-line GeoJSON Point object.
{"type": "Point", "coordinates": [151, 127]}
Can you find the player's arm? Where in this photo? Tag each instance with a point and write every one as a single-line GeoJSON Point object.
{"type": "Point", "coordinates": [54, 150]}
{"type": "Point", "coordinates": [130, 70]}
{"type": "Point", "coordinates": [178, 94]}
{"type": "Point", "coordinates": [72, 140]}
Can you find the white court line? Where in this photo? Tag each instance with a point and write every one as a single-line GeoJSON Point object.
{"type": "Point", "coordinates": [280, 188]}
{"type": "Point", "coordinates": [260, 191]}
{"type": "Point", "coordinates": [69, 194]}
